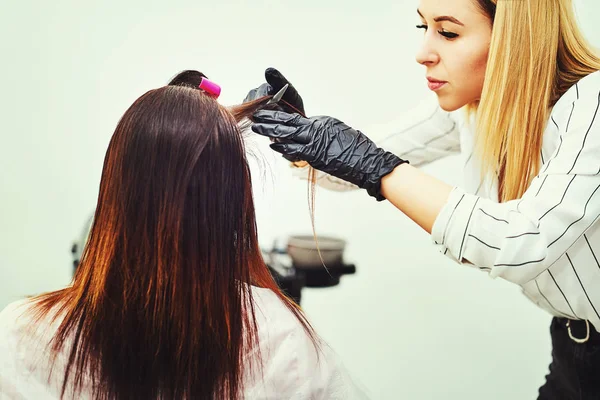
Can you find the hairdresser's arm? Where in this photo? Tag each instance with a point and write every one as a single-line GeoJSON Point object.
{"type": "Point", "coordinates": [418, 195]}
{"type": "Point", "coordinates": [517, 240]}
{"type": "Point", "coordinates": [424, 134]}
{"type": "Point", "coordinates": [328, 145]}
{"type": "Point", "coordinates": [333, 147]}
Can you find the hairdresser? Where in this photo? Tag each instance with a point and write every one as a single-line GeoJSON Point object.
{"type": "Point", "coordinates": [531, 131]}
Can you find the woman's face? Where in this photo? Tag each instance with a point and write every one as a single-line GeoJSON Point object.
{"type": "Point", "coordinates": [455, 49]}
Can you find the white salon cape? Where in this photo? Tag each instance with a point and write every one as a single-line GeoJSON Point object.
{"type": "Point", "coordinates": [547, 242]}
{"type": "Point", "coordinates": [290, 366]}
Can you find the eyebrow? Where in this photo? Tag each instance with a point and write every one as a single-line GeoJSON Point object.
{"type": "Point", "coordinates": [443, 18]}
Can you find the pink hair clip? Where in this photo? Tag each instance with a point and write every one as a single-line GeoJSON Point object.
{"type": "Point", "coordinates": [210, 87]}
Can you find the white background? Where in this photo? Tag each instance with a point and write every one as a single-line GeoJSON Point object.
{"type": "Point", "coordinates": [410, 324]}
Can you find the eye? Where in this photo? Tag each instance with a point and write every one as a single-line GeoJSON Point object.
{"type": "Point", "coordinates": [422, 26]}
{"type": "Point", "coordinates": [449, 35]}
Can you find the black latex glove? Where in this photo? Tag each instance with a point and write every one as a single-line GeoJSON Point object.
{"type": "Point", "coordinates": [275, 81]}
{"type": "Point", "coordinates": [329, 145]}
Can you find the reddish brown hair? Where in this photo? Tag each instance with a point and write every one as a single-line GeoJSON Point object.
{"type": "Point", "coordinates": [160, 305]}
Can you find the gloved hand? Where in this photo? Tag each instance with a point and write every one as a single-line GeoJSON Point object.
{"type": "Point", "coordinates": [275, 81]}
{"type": "Point", "coordinates": [329, 145]}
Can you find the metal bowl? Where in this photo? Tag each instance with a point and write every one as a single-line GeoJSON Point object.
{"type": "Point", "coordinates": [303, 251]}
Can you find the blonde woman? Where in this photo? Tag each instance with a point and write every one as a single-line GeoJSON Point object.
{"type": "Point", "coordinates": [526, 80]}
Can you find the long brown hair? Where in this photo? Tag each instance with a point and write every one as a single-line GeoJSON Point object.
{"type": "Point", "coordinates": [161, 305]}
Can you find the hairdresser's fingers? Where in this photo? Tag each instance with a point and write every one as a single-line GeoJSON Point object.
{"type": "Point", "coordinates": [276, 131]}
{"type": "Point", "coordinates": [263, 90]}
{"type": "Point", "coordinates": [280, 117]}
{"type": "Point", "coordinates": [284, 133]}
{"type": "Point", "coordinates": [291, 158]}
{"type": "Point", "coordinates": [250, 96]}
{"type": "Point", "coordinates": [272, 116]}
{"type": "Point", "coordinates": [291, 151]}
{"type": "Point", "coordinates": [276, 78]}
{"type": "Point", "coordinates": [291, 95]}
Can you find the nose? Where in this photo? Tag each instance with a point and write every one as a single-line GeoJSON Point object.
{"type": "Point", "coordinates": [427, 55]}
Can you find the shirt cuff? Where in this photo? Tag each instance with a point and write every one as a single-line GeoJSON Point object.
{"type": "Point", "coordinates": [451, 227]}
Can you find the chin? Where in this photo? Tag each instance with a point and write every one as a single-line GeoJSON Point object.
{"type": "Point", "coordinates": [449, 104]}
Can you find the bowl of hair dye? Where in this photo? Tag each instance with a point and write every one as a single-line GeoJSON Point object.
{"type": "Point", "coordinates": [304, 251]}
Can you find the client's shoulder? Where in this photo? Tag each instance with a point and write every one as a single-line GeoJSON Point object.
{"type": "Point", "coordinates": [15, 314]}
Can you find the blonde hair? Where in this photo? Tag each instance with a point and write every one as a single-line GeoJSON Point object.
{"type": "Point", "coordinates": [537, 52]}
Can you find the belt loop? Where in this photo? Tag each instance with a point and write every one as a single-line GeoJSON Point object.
{"type": "Point", "coordinates": [577, 340]}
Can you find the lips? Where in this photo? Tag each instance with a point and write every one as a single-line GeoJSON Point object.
{"type": "Point", "coordinates": [435, 84]}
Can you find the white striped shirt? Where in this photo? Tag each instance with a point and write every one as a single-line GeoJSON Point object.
{"type": "Point", "coordinates": [548, 242]}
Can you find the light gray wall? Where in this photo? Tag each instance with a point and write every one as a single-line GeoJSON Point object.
{"type": "Point", "coordinates": [410, 324]}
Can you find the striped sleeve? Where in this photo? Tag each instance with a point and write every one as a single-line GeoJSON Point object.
{"type": "Point", "coordinates": [426, 134]}
{"type": "Point", "coordinates": [520, 239]}
{"type": "Point", "coordinates": [422, 135]}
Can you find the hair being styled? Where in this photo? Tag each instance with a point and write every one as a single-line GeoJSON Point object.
{"type": "Point", "coordinates": [537, 53]}
{"type": "Point", "coordinates": [161, 306]}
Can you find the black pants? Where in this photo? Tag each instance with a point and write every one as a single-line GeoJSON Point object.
{"type": "Point", "coordinates": [575, 368]}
